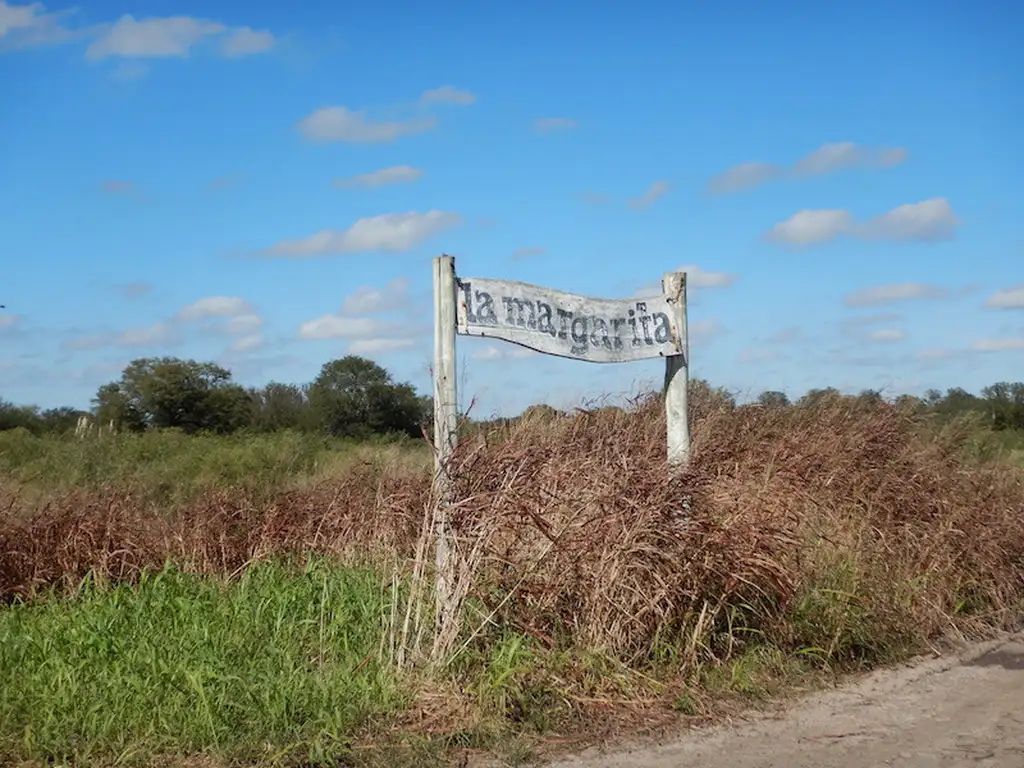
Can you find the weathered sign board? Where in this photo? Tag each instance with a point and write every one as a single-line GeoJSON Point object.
{"type": "Point", "coordinates": [563, 324]}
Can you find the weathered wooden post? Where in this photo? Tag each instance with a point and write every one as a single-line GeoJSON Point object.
{"type": "Point", "coordinates": [677, 416]}
{"type": "Point", "coordinates": [445, 428]}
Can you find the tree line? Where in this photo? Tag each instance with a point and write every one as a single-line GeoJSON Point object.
{"type": "Point", "coordinates": [350, 397]}
{"type": "Point", "coordinates": [356, 398]}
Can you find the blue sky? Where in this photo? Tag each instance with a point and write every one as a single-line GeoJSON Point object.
{"type": "Point", "coordinates": [266, 185]}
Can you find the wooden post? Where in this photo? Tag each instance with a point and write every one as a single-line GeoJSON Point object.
{"type": "Point", "coordinates": [677, 367]}
{"type": "Point", "coordinates": [445, 425]}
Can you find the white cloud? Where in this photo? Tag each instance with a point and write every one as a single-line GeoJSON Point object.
{"type": "Point", "coordinates": [243, 324]}
{"type": "Point", "coordinates": [214, 307]}
{"type": "Point", "coordinates": [1010, 298]}
{"type": "Point", "coordinates": [743, 176]}
{"type": "Point", "coordinates": [18, 16]}
{"type": "Point", "coordinates": [657, 190]}
{"type": "Point", "coordinates": [342, 124]}
{"type": "Point", "coordinates": [828, 158]}
{"type": "Point", "coordinates": [395, 174]}
{"type": "Point", "coordinates": [24, 26]}
{"type": "Point", "coordinates": [525, 253]}
{"type": "Point", "coordinates": [247, 343]}
{"type": "Point", "coordinates": [9, 321]}
{"type": "Point", "coordinates": [809, 227]}
{"type": "Point", "coordinates": [378, 346]}
{"type": "Point", "coordinates": [878, 317]}
{"type": "Point", "coordinates": [697, 277]}
{"type": "Point", "coordinates": [928, 221]}
{"type": "Point", "coordinates": [366, 300]}
{"type": "Point", "coordinates": [158, 333]}
{"type": "Point", "coordinates": [447, 94]}
{"type": "Point", "coordinates": [389, 232]}
{"type": "Point", "coordinates": [152, 38]}
{"type": "Point", "coordinates": [337, 327]}
{"type": "Point", "coordinates": [887, 334]}
{"type": "Point", "coordinates": [245, 41]}
{"type": "Point", "coordinates": [839, 156]}
{"type": "Point", "coordinates": [503, 352]}
{"type": "Point", "coordinates": [926, 355]}
{"type": "Point", "coordinates": [887, 294]}
{"type": "Point", "coordinates": [550, 124]}
{"type": "Point", "coordinates": [999, 345]}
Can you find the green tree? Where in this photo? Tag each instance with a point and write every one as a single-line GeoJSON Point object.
{"type": "Point", "coordinates": [1004, 403]}
{"type": "Point", "coordinates": [112, 406]}
{"type": "Point", "coordinates": [14, 416]}
{"type": "Point", "coordinates": [773, 399]}
{"type": "Point", "coordinates": [170, 392]}
{"type": "Point", "coordinates": [355, 397]}
{"type": "Point", "coordinates": [818, 397]}
{"type": "Point", "coordinates": [60, 420]}
{"type": "Point", "coordinates": [282, 406]}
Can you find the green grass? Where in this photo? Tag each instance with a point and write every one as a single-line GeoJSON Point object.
{"type": "Point", "coordinates": [282, 665]}
{"type": "Point", "coordinates": [170, 467]}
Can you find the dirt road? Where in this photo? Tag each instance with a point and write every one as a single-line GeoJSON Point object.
{"type": "Point", "coordinates": [966, 710]}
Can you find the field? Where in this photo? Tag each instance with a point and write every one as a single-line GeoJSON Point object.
{"type": "Point", "coordinates": [237, 600]}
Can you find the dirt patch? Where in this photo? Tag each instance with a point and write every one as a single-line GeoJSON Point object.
{"type": "Point", "coordinates": [966, 709]}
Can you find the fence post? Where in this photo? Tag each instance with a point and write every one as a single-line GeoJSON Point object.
{"type": "Point", "coordinates": [677, 417]}
{"type": "Point", "coordinates": [445, 429]}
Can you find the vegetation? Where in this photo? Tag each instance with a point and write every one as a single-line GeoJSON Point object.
{"type": "Point", "coordinates": [351, 397]}
{"type": "Point", "coordinates": [260, 594]}
{"type": "Point", "coordinates": [280, 663]}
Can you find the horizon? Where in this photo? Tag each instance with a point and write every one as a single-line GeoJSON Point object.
{"type": "Point", "coordinates": [266, 188]}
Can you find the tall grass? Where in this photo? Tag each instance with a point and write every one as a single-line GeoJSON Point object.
{"type": "Point", "coordinates": [280, 664]}
{"type": "Point", "coordinates": [169, 467]}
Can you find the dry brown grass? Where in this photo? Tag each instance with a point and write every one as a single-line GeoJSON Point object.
{"type": "Point", "coordinates": [839, 529]}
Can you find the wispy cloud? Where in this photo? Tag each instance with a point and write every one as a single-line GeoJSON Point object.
{"type": "Point", "coordinates": [887, 334]}
{"type": "Point", "coordinates": [246, 41]}
{"type": "Point", "coordinates": [174, 37]}
{"type": "Point", "coordinates": [135, 290]}
{"type": "Point", "coordinates": [526, 253]}
{"type": "Point", "coordinates": [894, 292]}
{"type": "Point", "coordinates": [656, 191]}
{"type": "Point", "coordinates": [367, 301]}
{"type": "Point", "coordinates": [395, 174]}
{"type": "Point", "coordinates": [928, 221]}
{"type": "Point", "coordinates": [389, 232]}
{"type": "Point", "coordinates": [1009, 298]}
{"type": "Point", "coordinates": [448, 94]}
{"type": "Point", "coordinates": [1008, 344]}
{"type": "Point", "coordinates": [829, 158]}
{"type": "Point", "coordinates": [354, 127]}
{"type": "Point", "coordinates": [338, 327]}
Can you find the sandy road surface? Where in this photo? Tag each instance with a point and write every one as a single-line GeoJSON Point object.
{"type": "Point", "coordinates": [965, 710]}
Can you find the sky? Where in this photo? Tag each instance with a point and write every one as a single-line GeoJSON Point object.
{"type": "Point", "coordinates": [266, 185]}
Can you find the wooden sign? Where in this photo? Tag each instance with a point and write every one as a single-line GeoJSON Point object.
{"type": "Point", "coordinates": [553, 323]}
{"type": "Point", "coordinates": [567, 325]}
